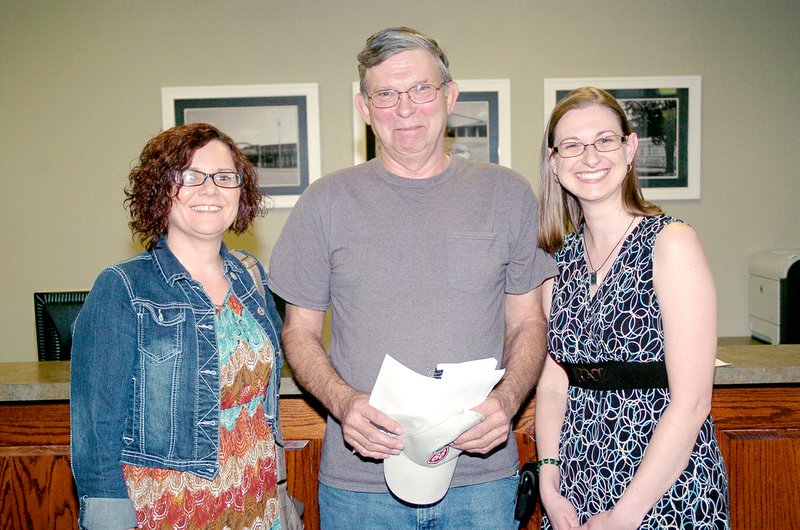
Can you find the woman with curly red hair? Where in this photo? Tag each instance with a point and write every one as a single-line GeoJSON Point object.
{"type": "Point", "coordinates": [175, 358]}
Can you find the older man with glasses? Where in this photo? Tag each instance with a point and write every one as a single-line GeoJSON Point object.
{"type": "Point", "coordinates": [428, 258]}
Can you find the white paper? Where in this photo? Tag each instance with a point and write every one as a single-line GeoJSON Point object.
{"type": "Point", "coordinates": [400, 390]}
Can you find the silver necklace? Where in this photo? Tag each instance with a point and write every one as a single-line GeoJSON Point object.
{"type": "Point", "coordinates": [593, 272]}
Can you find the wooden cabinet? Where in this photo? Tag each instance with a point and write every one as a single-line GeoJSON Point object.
{"type": "Point", "coordinates": [303, 428]}
{"type": "Point", "coordinates": [758, 428]}
{"type": "Point", "coordinates": [36, 487]}
{"type": "Point", "coordinates": [37, 491]}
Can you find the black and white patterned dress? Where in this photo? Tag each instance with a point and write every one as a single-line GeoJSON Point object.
{"type": "Point", "coordinates": [606, 433]}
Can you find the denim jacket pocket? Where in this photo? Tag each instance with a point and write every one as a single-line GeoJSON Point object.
{"type": "Point", "coordinates": [160, 332]}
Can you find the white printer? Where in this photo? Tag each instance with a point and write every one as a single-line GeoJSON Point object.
{"type": "Point", "coordinates": [775, 296]}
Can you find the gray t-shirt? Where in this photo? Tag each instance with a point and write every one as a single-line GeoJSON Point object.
{"type": "Point", "coordinates": [416, 269]}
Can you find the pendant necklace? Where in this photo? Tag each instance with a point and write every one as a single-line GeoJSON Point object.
{"type": "Point", "coordinates": [593, 271]}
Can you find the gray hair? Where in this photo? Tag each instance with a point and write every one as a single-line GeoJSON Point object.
{"type": "Point", "coordinates": [391, 41]}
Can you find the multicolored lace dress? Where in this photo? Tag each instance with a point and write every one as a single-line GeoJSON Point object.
{"type": "Point", "coordinates": [244, 493]}
{"type": "Point", "coordinates": [606, 432]}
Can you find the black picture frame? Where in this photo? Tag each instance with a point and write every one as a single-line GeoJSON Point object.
{"type": "Point", "coordinates": [665, 114]}
{"type": "Point", "coordinates": [276, 126]}
{"type": "Point", "coordinates": [479, 128]}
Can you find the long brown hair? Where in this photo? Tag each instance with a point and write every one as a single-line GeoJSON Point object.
{"type": "Point", "coordinates": [560, 211]}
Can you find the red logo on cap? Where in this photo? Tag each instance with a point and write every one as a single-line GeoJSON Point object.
{"type": "Point", "coordinates": [439, 455]}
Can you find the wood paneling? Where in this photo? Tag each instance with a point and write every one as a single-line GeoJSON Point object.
{"type": "Point", "coordinates": [302, 468]}
{"type": "Point", "coordinates": [758, 429]}
{"type": "Point", "coordinates": [36, 487]}
{"type": "Point", "coordinates": [763, 469]}
{"type": "Point", "coordinates": [34, 423]}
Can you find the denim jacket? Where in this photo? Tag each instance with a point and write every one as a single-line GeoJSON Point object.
{"type": "Point", "coordinates": [145, 377]}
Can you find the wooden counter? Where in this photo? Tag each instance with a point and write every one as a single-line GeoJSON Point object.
{"type": "Point", "coordinates": [756, 406]}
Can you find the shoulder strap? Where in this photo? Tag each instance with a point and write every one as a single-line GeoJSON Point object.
{"type": "Point", "coordinates": [291, 508]}
{"type": "Point", "coordinates": [249, 263]}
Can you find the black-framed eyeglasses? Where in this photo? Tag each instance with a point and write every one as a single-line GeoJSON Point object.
{"type": "Point", "coordinates": [387, 98]}
{"type": "Point", "coordinates": [569, 148]}
{"type": "Point", "coordinates": [223, 179]}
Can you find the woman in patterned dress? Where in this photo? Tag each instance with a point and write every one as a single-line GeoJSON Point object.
{"type": "Point", "coordinates": [623, 428]}
{"type": "Point", "coordinates": [175, 359]}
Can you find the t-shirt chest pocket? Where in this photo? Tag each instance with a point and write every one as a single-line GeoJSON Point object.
{"type": "Point", "coordinates": [475, 260]}
{"type": "Point", "coordinates": [160, 331]}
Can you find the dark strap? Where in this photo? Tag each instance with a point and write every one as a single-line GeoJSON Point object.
{"type": "Point", "coordinates": [617, 375]}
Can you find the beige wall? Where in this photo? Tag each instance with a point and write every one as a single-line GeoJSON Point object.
{"type": "Point", "coordinates": [80, 94]}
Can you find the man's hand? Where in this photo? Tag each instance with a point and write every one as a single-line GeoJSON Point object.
{"type": "Point", "coordinates": [488, 434]}
{"type": "Point", "coordinates": [365, 428]}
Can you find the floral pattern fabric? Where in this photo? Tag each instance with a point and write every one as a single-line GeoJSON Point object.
{"type": "Point", "coordinates": [244, 492]}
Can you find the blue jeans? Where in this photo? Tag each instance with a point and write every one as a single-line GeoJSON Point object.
{"type": "Point", "coordinates": [487, 506]}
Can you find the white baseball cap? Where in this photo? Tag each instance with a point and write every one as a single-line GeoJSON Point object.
{"type": "Point", "coordinates": [421, 474]}
{"type": "Point", "coordinates": [435, 413]}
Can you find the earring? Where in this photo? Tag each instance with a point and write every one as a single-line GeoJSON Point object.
{"type": "Point", "coordinates": [629, 167]}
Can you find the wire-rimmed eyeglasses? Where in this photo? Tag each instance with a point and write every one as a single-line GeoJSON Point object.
{"type": "Point", "coordinates": [571, 148]}
{"type": "Point", "coordinates": [387, 98]}
{"type": "Point", "coordinates": [223, 179]}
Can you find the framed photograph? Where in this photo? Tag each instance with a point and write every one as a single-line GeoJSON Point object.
{"type": "Point", "coordinates": [665, 112]}
{"type": "Point", "coordinates": [478, 129]}
{"type": "Point", "coordinates": [276, 126]}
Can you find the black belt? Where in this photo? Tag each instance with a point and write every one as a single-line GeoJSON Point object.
{"type": "Point", "coordinates": [617, 375]}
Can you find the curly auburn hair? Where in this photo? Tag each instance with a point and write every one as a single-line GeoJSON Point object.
{"type": "Point", "coordinates": [152, 188]}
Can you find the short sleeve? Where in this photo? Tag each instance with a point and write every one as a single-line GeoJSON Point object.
{"type": "Point", "coordinates": [299, 270]}
{"type": "Point", "coordinates": [528, 264]}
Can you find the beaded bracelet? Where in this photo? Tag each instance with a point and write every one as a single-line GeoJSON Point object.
{"type": "Point", "coordinates": [544, 461]}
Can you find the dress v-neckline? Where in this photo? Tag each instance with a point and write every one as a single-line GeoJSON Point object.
{"type": "Point", "coordinates": [592, 296]}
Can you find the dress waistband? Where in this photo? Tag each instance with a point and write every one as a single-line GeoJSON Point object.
{"type": "Point", "coordinates": [617, 375]}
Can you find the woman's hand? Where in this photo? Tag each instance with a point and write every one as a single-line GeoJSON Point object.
{"type": "Point", "coordinates": [561, 513]}
{"type": "Point", "coordinates": [610, 520]}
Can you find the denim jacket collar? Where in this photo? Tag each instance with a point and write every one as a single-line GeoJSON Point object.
{"type": "Point", "coordinates": [172, 270]}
